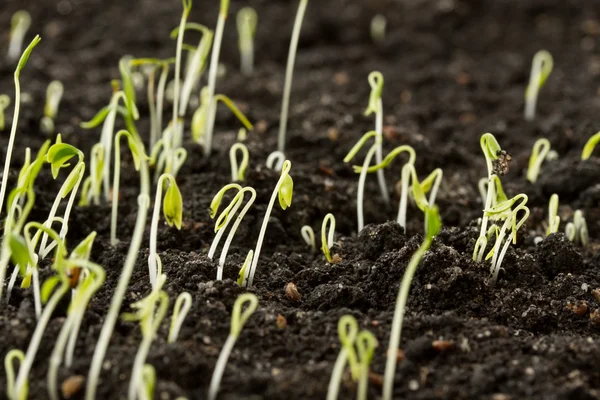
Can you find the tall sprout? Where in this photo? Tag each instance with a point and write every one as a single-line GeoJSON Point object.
{"type": "Point", "coordinates": [19, 25]}
{"type": "Point", "coordinates": [541, 67]}
{"type": "Point", "coordinates": [4, 103]}
{"type": "Point", "coordinates": [247, 19]}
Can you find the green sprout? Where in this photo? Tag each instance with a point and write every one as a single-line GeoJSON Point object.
{"type": "Point", "coordinates": [238, 171]}
{"type": "Point", "coordinates": [171, 158]}
{"type": "Point", "coordinates": [541, 67]}
{"type": "Point", "coordinates": [128, 86]}
{"type": "Point", "coordinates": [180, 310]}
{"type": "Point", "coordinates": [225, 218]}
{"type": "Point", "coordinates": [308, 234]}
{"type": "Point", "coordinates": [150, 311]}
{"type": "Point", "coordinates": [366, 343]}
{"type": "Point", "coordinates": [245, 267]}
{"type": "Point", "coordinates": [376, 106]}
{"type": "Point", "coordinates": [148, 380]}
{"type": "Point", "coordinates": [212, 77]}
{"type": "Point", "coordinates": [173, 212]}
{"type": "Point", "coordinates": [289, 72]}
{"type": "Point", "coordinates": [538, 155]}
{"type": "Point", "coordinates": [589, 147]}
{"type": "Point", "coordinates": [553, 218]}
{"type": "Point", "coordinates": [246, 26]}
{"type": "Point", "coordinates": [19, 25]}
{"type": "Point", "coordinates": [577, 231]}
{"type": "Point", "coordinates": [54, 93]}
{"type": "Point", "coordinates": [433, 225]}
{"type": "Point", "coordinates": [497, 162]}
{"type": "Point", "coordinates": [347, 332]}
{"type": "Point", "coordinates": [92, 186]}
{"type": "Point", "coordinates": [12, 355]}
{"type": "Point", "coordinates": [275, 160]}
{"type": "Point", "coordinates": [4, 103]}
{"type": "Point", "coordinates": [327, 237]}
{"type": "Point", "coordinates": [13, 131]}
{"type": "Point", "coordinates": [378, 26]}
{"type": "Point", "coordinates": [238, 320]}
{"type": "Point", "coordinates": [284, 190]}
{"type": "Point", "coordinates": [499, 195]}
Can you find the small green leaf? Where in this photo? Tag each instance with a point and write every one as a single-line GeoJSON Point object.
{"type": "Point", "coordinates": [286, 190]}
{"type": "Point", "coordinates": [26, 282]}
{"type": "Point", "coordinates": [432, 221]}
{"type": "Point", "coordinates": [216, 201]}
{"type": "Point", "coordinates": [59, 154]}
{"type": "Point", "coordinates": [84, 248]}
{"type": "Point", "coordinates": [19, 252]}
{"type": "Point", "coordinates": [244, 269]}
{"type": "Point", "coordinates": [173, 205]}
{"type": "Point", "coordinates": [26, 54]}
{"type": "Point", "coordinates": [96, 119]}
{"type": "Point", "coordinates": [48, 287]}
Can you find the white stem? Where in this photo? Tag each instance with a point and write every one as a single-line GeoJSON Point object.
{"type": "Point", "coordinates": [379, 155]}
{"type": "Point", "coordinates": [160, 98]}
{"type": "Point", "coordinates": [11, 143]}
{"type": "Point", "coordinates": [212, 81]}
{"type": "Point", "coordinates": [215, 381]}
{"type": "Point", "coordinates": [247, 58]}
{"type": "Point", "coordinates": [152, 109]}
{"type": "Point", "coordinates": [138, 364]}
{"type": "Point", "coordinates": [36, 292]}
{"type": "Point", "coordinates": [404, 197]}
{"type": "Point", "coordinates": [154, 232]}
{"type": "Point", "coordinates": [56, 359]}
{"type": "Point", "coordinates": [336, 375]}
{"type": "Point", "coordinates": [361, 187]}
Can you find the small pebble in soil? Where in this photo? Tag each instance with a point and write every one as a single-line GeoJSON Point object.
{"type": "Point", "coordinates": [578, 308]}
{"type": "Point", "coordinates": [291, 292]}
{"type": "Point", "coordinates": [72, 385]}
{"type": "Point", "coordinates": [442, 345]}
{"type": "Point", "coordinates": [596, 294]}
{"type": "Point", "coordinates": [281, 322]}
{"type": "Point", "coordinates": [595, 317]}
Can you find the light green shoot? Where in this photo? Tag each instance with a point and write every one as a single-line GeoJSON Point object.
{"type": "Point", "coordinates": [553, 217]}
{"type": "Point", "coordinates": [366, 343]}
{"type": "Point", "coordinates": [246, 26]}
{"type": "Point", "coordinates": [289, 72]}
{"type": "Point", "coordinates": [180, 310]}
{"type": "Point", "coordinates": [173, 213]}
{"type": "Point", "coordinates": [308, 234]}
{"type": "Point", "coordinates": [577, 231]}
{"type": "Point", "coordinates": [148, 382]}
{"type": "Point", "coordinates": [275, 160]}
{"type": "Point", "coordinates": [589, 147]}
{"type": "Point", "coordinates": [13, 131]}
{"type": "Point", "coordinates": [54, 93]}
{"type": "Point", "coordinates": [4, 103]}
{"type": "Point", "coordinates": [19, 25]}
{"type": "Point", "coordinates": [378, 26]}
{"type": "Point", "coordinates": [238, 171]}
{"type": "Point", "coordinates": [327, 237]}
{"type": "Point", "coordinates": [433, 225]}
{"type": "Point", "coordinates": [499, 197]}
{"type": "Point", "coordinates": [92, 186]}
{"type": "Point", "coordinates": [238, 320]}
{"type": "Point", "coordinates": [538, 155]}
{"type": "Point", "coordinates": [376, 106]}
{"type": "Point", "coordinates": [284, 190]}
{"type": "Point", "coordinates": [128, 86]}
{"type": "Point", "coordinates": [541, 67]}
{"type": "Point", "coordinates": [12, 355]}
{"type": "Point", "coordinates": [212, 77]}
{"type": "Point", "coordinates": [245, 268]}
{"type": "Point", "coordinates": [347, 332]}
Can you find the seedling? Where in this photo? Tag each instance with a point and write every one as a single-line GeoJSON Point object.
{"type": "Point", "coordinates": [308, 234]}
{"type": "Point", "coordinates": [366, 343]}
{"type": "Point", "coordinates": [589, 147]}
{"type": "Point", "coordinates": [499, 195]}
{"type": "Point", "coordinates": [284, 190]}
{"type": "Point", "coordinates": [553, 218]}
{"type": "Point", "coordinates": [180, 310]}
{"type": "Point", "coordinates": [92, 186]}
{"type": "Point", "coordinates": [238, 320]}
{"type": "Point", "coordinates": [541, 67]}
{"type": "Point", "coordinates": [212, 76]}
{"type": "Point", "coordinates": [347, 332]}
{"type": "Point", "coordinates": [238, 171]}
{"type": "Point", "coordinates": [4, 103]}
{"type": "Point", "coordinates": [245, 268]}
{"type": "Point", "coordinates": [128, 86]}
{"type": "Point", "coordinates": [19, 25]}
{"type": "Point", "coordinates": [538, 155]}
{"type": "Point", "coordinates": [12, 355]}
{"type": "Point", "coordinates": [433, 225]}
{"type": "Point", "coordinates": [246, 26]}
{"type": "Point", "coordinates": [577, 231]}
{"type": "Point", "coordinates": [378, 26]}
{"type": "Point", "coordinates": [173, 212]}
{"type": "Point", "coordinates": [54, 93]}
{"type": "Point", "coordinates": [327, 237]}
{"type": "Point", "coordinates": [13, 131]}
{"type": "Point", "coordinates": [150, 311]}
{"type": "Point", "coordinates": [376, 106]}
{"type": "Point", "coordinates": [289, 72]}
{"type": "Point", "coordinates": [275, 160]}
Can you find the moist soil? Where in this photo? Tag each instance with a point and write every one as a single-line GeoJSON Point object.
{"type": "Point", "coordinates": [453, 69]}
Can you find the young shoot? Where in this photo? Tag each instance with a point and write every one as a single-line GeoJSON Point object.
{"type": "Point", "coordinates": [538, 155]}
{"type": "Point", "coordinates": [4, 103]}
{"type": "Point", "coordinates": [541, 67]}
{"type": "Point", "coordinates": [54, 93]}
{"type": "Point", "coordinates": [19, 25]}
{"type": "Point", "coordinates": [13, 131]}
{"type": "Point", "coordinates": [180, 310]}
{"type": "Point", "coordinates": [433, 226]}
{"type": "Point", "coordinates": [246, 26]}
{"type": "Point", "coordinates": [173, 212]}
{"type": "Point", "coordinates": [289, 72]}
{"type": "Point", "coordinates": [238, 320]}
{"type": "Point", "coordinates": [92, 186]}
{"type": "Point", "coordinates": [347, 332]}
{"type": "Point", "coordinates": [308, 234]}
{"type": "Point", "coordinates": [238, 170]}
{"type": "Point", "coordinates": [9, 369]}
{"type": "Point", "coordinates": [275, 160]}
{"type": "Point", "coordinates": [553, 217]}
{"type": "Point", "coordinates": [284, 190]}
{"type": "Point", "coordinates": [212, 77]}
{"type": "Point", "coordinates": [589, 147]}
{"type": "Point", "coordinates": [378, 25]}
{"type": "Point", "coordinates": [577, 231]}
{"type": "Point", "coordinates": [366, 343]}
{"type": "Point", "coordinates": [327, 236]}
{"type": "Point", "coordinates": [376, 106]}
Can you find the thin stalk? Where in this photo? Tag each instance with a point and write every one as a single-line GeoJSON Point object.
{"type": "Point", "coordinates": [379, 155]}
{"type": "Point", "coordinates": [215, 381]}
{"type": "Point", "coordinates": [336, 376]}
{"type": "Point", "coordinates": [361, 187]}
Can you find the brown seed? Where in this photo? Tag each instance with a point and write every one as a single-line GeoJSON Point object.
{"type": "Point", "coordinates": [375, 379]}
{"type": "Point", "coordinates": [442, 345]}
{"type": "Point", "coordinates": [335, 259]}
{"type": "Point", "coordinates": [72, 385]}
{"type": "Point", "coordinates": [281, 322]}
{"type": "Point", "coordinates": [333, 134]}
{"type": "Point", "coordinates": [399, 355]}
{"type": "Point", "coordinates": [261, 126]}
{"type": "Point", "coordinates": [341, 78]}
{"type": "Point", "coordinates": [325, 170]}
{"type": "Point", "coordinates": [463, 79]}
{"type": "Point", "coordinates": [390, 132]}
{"type": "Point", "coordinates": [595, 317]}
{"type": "Point", "coordinates": [291, 292]}
{"type": "Point", "coordinates": [579, 308]}
{"type": "Point", "coordinates": [596, 294]}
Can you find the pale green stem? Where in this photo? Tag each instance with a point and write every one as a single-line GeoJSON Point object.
{"type": "Point", "coordinates": [215, 381]}
{"type": "Point", "coordinates": [336, 375]}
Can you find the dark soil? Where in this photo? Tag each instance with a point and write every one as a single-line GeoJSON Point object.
{"type": "Point", "coordinates": [453, 69]}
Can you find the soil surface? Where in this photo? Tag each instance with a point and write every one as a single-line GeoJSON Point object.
{"type": "Point", "coordinates": [453, 70]}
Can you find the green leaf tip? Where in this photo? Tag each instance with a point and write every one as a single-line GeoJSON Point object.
{"type": "Point", "coordinates": [432, 221]}
{"type": "Point", "coordinates": [376, 83]}
{"type": "Point", "coordinates": [286, 189]}
{"type": "Point", "coordinates": [58, 155]}
{"type": "Point", "coordinates": [239, 317]}
{"type": "Point", "coordinates": [173, 204]}
{"type": "Point", "coordinates": [26, 54]}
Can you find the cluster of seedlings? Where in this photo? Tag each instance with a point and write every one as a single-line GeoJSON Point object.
{"type": "Point", "coordinates": [25, 244]}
